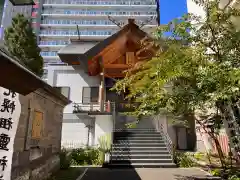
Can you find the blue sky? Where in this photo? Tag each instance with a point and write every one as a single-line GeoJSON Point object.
{"type": "Point", "coordinates": [170, 9]}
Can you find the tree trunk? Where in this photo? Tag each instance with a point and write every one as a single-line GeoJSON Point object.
{"type": "Point", "coordinates": [219, 149]}
{"type": "Point", "coordinates": [208, 150]}
{"type": "Point", "coordinates": [215, 139]}
{"type": "Point", "coordinates": [231, 126]}
{"type": "Point", "coordinates": [191, 131]}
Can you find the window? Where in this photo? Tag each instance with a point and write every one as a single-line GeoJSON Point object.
{"type": "Point", "coordinates": [90, 95]}
{"type": "Point", "coordinates": [65, 91]}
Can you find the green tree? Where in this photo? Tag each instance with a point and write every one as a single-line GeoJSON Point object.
{"type": "Point", "coordinates": [21, 42]}
{"type": "Point", "coordinates": [200, 62]}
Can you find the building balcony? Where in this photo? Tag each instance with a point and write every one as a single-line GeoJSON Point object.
{"type": "Point", "coordinates": [51, 47]}
{"type": "Point", "coordinates": [90, 6]}
{"type": "Point", "coordinates": [50, 57]}
{"type": "Point", "coordinates": [83, 37]}
{"type": "Point", "coordinates": [99, 2]}
{"type": "Point", "coordinates": [94, 108]}
{"type": "Point", "coordinates": [83, 23]}
{"type": "Point", "coordinates": [99, 16]}
{"type": "Point", "coordinates": [87, 26]}
{"type": "Point", "coordinates": [81, 26]}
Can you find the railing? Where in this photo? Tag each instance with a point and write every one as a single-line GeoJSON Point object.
{"type": "Point", "coordinates": [167, 140]}
{"type": "Point", "coordinates": [101, 2]}
{"type": "Point", "coordinates": [125, 106]}
{"type": "Point", "coordinates": [106, 107]}
{"type": "Point", "coordinates": [102, 13]}
{"type": "Point", "coordinates": [70, 22]}
{"type": "Point", "coordinates": [73, 33]}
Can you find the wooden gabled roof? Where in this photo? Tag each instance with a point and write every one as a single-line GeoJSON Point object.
{"type": "Point", "coordinates": [108, 53]}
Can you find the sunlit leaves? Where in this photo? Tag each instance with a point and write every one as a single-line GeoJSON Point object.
{"type": "Point", "coordinates": [200, 60]}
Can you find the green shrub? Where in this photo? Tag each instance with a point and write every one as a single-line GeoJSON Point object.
{"type": "Point", "coordinates": [78, 156]}
{"type": "Point", "coordinates": [105, 143]}
{"type": "Point", "coordinates": [65, 159]}
{"type": "Point", "coordinates": [229, 174]}
{"type": "Point", "coordinates": [234, 177]}
{"type": "Point", "coordinates": [183, 159]}
{"type": "Point", "coordinates": [216, 172]}
{"type": "Point", "coordinates": [199, 155]}
{"type": "Point", "coordinates": [86, 156]}
{"type": "Point", "coordinates": [233, 174]}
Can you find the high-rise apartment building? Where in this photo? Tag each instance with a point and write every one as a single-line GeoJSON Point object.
{"type": "Point", "coordinates": [1, 13]}
{"type": "Point", "coordinates": [56, 21]}
{"type": "Point", "coordinates": [8, 11]}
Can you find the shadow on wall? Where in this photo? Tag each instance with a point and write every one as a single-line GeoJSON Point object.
{"type": "Point", "coordinates": [77, 131]}
{"type": "Point", "coordinates": [103, 125]}
{"type": "Point", "coordinates": [145, 123]}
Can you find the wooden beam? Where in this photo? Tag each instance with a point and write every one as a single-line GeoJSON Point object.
{"type": "Point", "coordinates": [110, 58]}
{"type": "Point", "coordinates": [144, 58]}
{"type": "Point", "coordinates": [116, 66]}
{"type": "Point", "coordinates": [116, 75]}
{"type": "Point", "coordinates": [118, 43]}
{"type": "Point", "coordinates": [117, 48]}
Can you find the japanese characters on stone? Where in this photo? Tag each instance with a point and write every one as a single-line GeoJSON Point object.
{"type": "Point", "coordinates": [233, 131]}
{"type": "Point", "coordinates": [9, 103]}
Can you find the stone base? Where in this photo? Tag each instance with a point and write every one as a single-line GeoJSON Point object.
{"type": "Point", "coordinates": [41, 172]}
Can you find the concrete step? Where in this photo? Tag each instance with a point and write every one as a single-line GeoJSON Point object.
{"type": "Point", "coordinates": [137, 133]}
{"type": "Point", "coordinates": [124, 161]}
{"type": "Point", "coordinates": [133, 148]}
{"type": "Point", "coordinates": [143, 151]}
{"type": "Point", "coordinates": [140, 165]}
{"type": "Point", "coordinates": [138, 141]}
{"type": "Point", "coordinates": [138, 138]}
{"type": "Point", "coordinates": [151, 136]}
{"type": "Point", "coordinates": [140, 156]}
{"type": "Point", "coordinates": [126, 144]}
{"type": "Point", "coordinates": [136, 130]}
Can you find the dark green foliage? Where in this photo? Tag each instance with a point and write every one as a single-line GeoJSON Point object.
{"type": "Point", "coordinates": [21, 43]}
{"type": "Point", "coordinates": [183, 159]}
{"type": "Point", "coordinates": [65, 159]}
{"type": "Point", "coordinates": [216, 172]}
{"type": "Point", "coordinates": [228, 174]}
{"type": "Point", "coordinates": [87, 156]}
{"type": "Point", "coordinates": [192, 72]}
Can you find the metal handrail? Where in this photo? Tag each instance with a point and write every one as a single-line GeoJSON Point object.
{"type": "Point", "coordinates": [93, 107]}
{"type": "Point", "coordinates": [113, 130]}
{"type": "Point", "coordinates": [167, 140]}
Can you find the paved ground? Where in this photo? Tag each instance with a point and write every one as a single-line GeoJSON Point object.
{"type": "Point", "coordinates": [142, 174]}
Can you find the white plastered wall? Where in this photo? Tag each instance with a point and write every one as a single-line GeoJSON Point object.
{"type": "Point", "coordinates": [103, 126]}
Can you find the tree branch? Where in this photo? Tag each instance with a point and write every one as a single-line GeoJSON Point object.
{"type": "Point", "coordinates": [226, 6]}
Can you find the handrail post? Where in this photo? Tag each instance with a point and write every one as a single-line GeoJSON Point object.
{"type": "Point", "coordinates": [167, 140]}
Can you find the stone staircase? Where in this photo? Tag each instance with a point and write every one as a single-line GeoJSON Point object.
{"type": "Point", "coordinates": [139, 148]}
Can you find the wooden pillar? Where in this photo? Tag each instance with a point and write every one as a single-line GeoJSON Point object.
{"type": "Point", "coordinates": [130, 58]}
{"type": "Point", "coordinates": [102, 86]}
